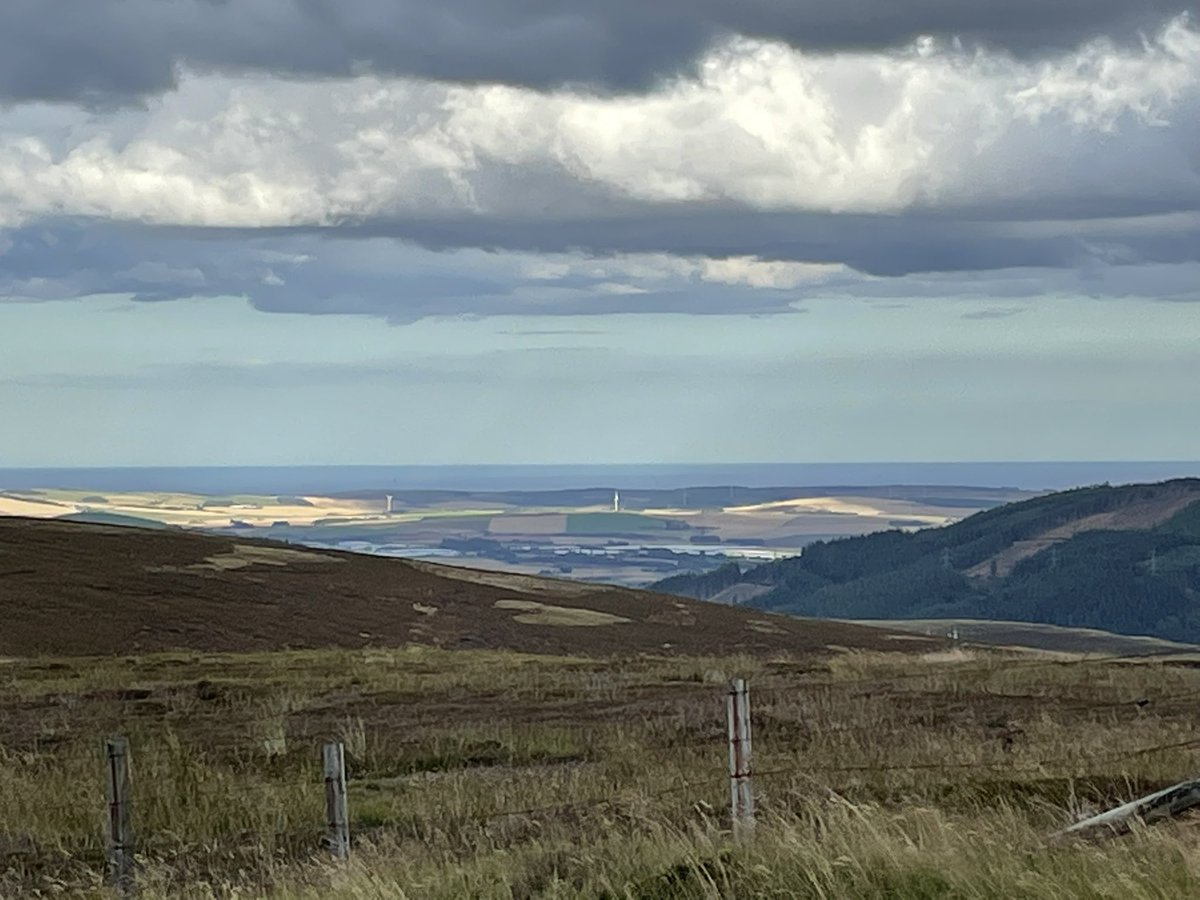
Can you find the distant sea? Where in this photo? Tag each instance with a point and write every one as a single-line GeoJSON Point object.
{"type": "Point", "coordinates": [291, 480]}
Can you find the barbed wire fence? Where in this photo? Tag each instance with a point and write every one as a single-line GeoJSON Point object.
{"type": "Point", "coordinates": [121, 837]}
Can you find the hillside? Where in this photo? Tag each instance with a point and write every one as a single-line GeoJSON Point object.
{"type": "Point", "coordinates": [69, 588]}
{"type": "Point", "coordinates": [1124, 559]}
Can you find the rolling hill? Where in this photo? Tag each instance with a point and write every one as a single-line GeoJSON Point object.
{"type": "Point", "coordinates": [72, 588]}
{"type": "Point", "coordinates": [1124, 559]}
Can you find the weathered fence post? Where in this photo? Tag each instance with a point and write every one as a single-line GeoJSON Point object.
{"type": "Point", "coordinates": [337, 807]}
{"type": "Point", "coordinates": [119, 821]}
{"type": "Point", "coordinates": [740, 789]}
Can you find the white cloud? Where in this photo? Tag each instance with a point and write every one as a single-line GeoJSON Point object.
{"type": "Point", "coordinates": [656, 268]}
{"type": "Point", "coordinates": [1098, 85]}
{"type": "Point", "coordinates": [761, 126]}
{"type": "Point", "coordinates": [754, 272]}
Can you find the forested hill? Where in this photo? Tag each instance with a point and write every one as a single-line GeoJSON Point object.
{"type": "Point", "coordinates": [1124, 559]}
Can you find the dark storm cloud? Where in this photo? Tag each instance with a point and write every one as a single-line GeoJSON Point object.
{"type": "Point", "coordinates": [881, 245]}
{"type": "Point", "coordinates": [310, 273]}
{"type": "Point", "coordinates": [52, 262]}
{"type": "Point", "coordinates": [315, 275]}
{"type": "Point", "coordinates": [114, 51]}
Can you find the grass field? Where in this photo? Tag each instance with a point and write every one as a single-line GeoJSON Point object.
{"type": "Point", "coordinates": [1034, 635]}
{"type": "Point", "coordinates": [613, 523]}
{"type": "Point", "coordinates": [495, 774]}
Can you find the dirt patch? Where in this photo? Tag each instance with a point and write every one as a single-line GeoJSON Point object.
{"type": "Point", "coordinates": [534, 613]}
{"type": "Point", "coordinates": [247, 555]}
{"type": "Point", "coordinates": [762, 626]}
{"type": "Point", "coordinates": [677, 614]}
{"type": "Point", "coordinates": [738, 594]}
{"type": "Point", "coordinates": [953, 655]}
{"type": "Point", "coordinates": [525, 584]}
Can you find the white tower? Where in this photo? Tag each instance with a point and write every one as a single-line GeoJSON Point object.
{"type": "Point", "coordinates": [616, 501]}
{"type": "Point", "coordinates": [391, 504]}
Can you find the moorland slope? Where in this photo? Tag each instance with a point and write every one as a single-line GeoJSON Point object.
{"type": "Point", "coordinates": [70, 588]}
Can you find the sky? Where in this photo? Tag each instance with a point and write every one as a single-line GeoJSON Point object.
{"type": "Point", "coordinates": [598, 231]}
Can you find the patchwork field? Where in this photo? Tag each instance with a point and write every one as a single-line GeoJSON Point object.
{"type": "Point", "coordinates": [655, 533]}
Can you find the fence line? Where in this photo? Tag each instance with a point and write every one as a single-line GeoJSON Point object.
{"type": "Point", "coordinates": [270, 791]}
{"type": "Point", "coordinates": [119, 789]}
{"type": "Point", "coordinates": [997, 666]}
{"type": "Point", "coordinates": [316, 738]}
{"type": "Point", "coordinates": [595, 804]}
{"type": "Point", "coordinates": [1036, 766]}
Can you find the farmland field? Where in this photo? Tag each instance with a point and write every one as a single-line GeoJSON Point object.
{"type": "Point", "coordinates": [613, 523]}
{"type": "Point", "coordinates": [532, 532]}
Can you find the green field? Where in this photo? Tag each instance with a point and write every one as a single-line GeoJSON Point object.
{"type": "Point", "coordinates": [107, 518]}
{"type": "Point", "coordinates": [614, 523]}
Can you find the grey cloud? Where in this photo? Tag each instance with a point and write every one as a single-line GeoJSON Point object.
{"type": "Point", "coordinates": [1175, 279]}
{"type": "Point", "coordinates": [107, 52]}
{"type": "Point", "coordinates": [885, 246]}
{"type": "Point", "coordinates": [314, 273]}
{"type": "Point", "coordinates": [77, 260]}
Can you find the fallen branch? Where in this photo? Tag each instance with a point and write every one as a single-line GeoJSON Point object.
{"type": "Point", "coordinates": [1164, 804]}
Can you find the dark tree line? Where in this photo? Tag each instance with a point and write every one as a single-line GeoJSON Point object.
{"type": "Point", "coordinates": [1142, 582]}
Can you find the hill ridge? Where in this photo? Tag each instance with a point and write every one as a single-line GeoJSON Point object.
{"type": "Point", "coordinates": [1124, 559]}
{"type": "Point", "coordinates": [1137, 515]}
{"type": "Point", "coordinates": [78, 589]}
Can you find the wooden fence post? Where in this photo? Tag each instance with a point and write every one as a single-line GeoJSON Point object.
{"type": "Point", "coordinates": [337, 807]}
{"type": "Point", "coordinates": [740, 789]}
{"type": "Point", "coordinates": [119, 821]}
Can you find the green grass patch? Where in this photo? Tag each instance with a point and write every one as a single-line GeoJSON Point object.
{"type": "Point", "coordinates": [104, 518]}
{"type": "Point", "coordinates": [616, 523]}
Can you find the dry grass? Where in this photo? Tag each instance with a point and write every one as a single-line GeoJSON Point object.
{"type": "Point", "coordinates": [480, 774]}
{"type": "Point", "coordinates": [534, 613]}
